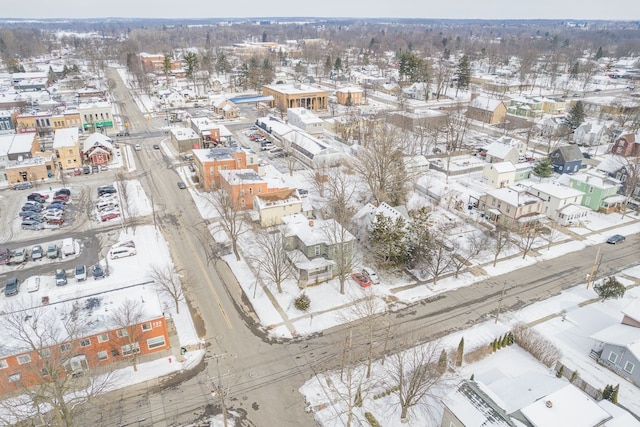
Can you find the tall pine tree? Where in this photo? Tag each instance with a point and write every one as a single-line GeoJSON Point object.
{"type": "Point", "coordinates": [575, 116]}
{"type": "Point", "coordinates": [463, 74]}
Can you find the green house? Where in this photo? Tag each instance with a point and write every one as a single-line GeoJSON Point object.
{"type": "Point", "coordinates": [599, 190]}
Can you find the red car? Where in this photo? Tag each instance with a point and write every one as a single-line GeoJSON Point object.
{"type": "Point", "coordinates": [361, 279]}
{"type": "Point", "coordinates": [55, 221]}
{"type": "Point", "coordinates": [42, 196]}
{"type": "Point", "coordinates": [109, 216]}
{"type": "Point", "coordinates": [61, 198]}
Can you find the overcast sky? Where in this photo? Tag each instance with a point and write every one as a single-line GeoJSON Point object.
{"type": "Point", "coordinates": [465, 9]}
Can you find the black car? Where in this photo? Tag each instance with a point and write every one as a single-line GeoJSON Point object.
{"type": "Point", "coordinates": [64, 191]}
{"type": "Point", "coordinates": [615, 239]}
{"type": "Point", "coordinates": [106, 189]}
{"type": "Point", "coordinates": [36, 198]}
{"type": "Point", "coordinates": [97, 271]}
{"type": "Point", "coordinates": [33, 208]}
{"type": "Point", "coordinates": [156, 147]}
{"type": "Point", "coordinates": [182, 185]}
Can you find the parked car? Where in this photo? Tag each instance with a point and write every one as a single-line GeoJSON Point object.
{"type": "Point", "coordinates": [81, 272]}
{"type": "Point", "coordinates": [42, 196]}
{"type": "Point", "coordinates": [52, 251]}
{"type": "Point", "coordinates": [32, 208]}
{"type": "Point", "coordinates": [86, 169]}
{"type": "Point", "coordinates": [62, 198]}
{"type": "Point", "coordinates": [12, 287]}
{"type": "Point", "coordinates": [182, 185]}
{"type": "Point", "coordinates": [23, 185]}
{"type": "Point", "coordinates": [137, 147]}
{"type": "Point", "coordinates": [361, 279]}
{"type": "Point", "coordinates": [121, 252]}
{"type": "Point", "coordinates": [370, 274]}
{"type": "Point", "coordinates": [106, 189]}
{"type": "Point", "coordinates": [55, 221]}
{"type": "Point", "coordinates": [30, 215]}
{"type": "Point", "coordinates": [77, 171]}
{"type": "Point", "coordinates": [56, 205]}
{"type": "Point", "coordinates": [32, 283]}
{"type": "Point", "coordinates": [64, 191]}
{"type": "Point", "coordinates": [61, 277]}
{"type": "Point", "coordinates": [156, 147]}
{"type": "Point", "coordinates": [19, 256]}
{"type": "Point", "coordinates": [31, 224]}
{"type": "Point", "coordinates": [95, 169]}
{"type": "Point", "coordinates": [36, 198]}
{"type": "Point", "coordinates": [104, 167]}
{"type": "Point", "coordinates": [615, 239]}
{"type": "Point", "coordinates": [5, 256]}
{"type": "Point", "coordinates": [109, 216]}
{"type": "Point", "coordinates": [97, 271]}
{"type": "Point", "coordinates": [36, 253]}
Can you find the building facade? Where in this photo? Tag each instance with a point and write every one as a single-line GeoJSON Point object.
{"type": "Point", "coordinates": [300, 96]}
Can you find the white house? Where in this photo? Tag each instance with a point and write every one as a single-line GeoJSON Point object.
{"type": "Point", "coordinates": [499, 174]}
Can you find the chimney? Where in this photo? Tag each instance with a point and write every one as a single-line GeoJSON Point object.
{"type": "Point", "coordinates": [549, 404]}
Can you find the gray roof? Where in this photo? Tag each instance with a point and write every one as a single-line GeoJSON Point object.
{"type": "Point", "coordinates": [570, 153]}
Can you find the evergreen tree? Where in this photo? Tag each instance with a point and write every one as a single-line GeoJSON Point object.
{"type": "Point", "coordinates": [388, 241]}
{"type": "Point", "coordinates": [598, 54]}
{"type": "Point", "coordinates": [609, 288]}
{"type": "Point", "coordinates": [614, 394]}
{"type": "Point", "coordinates": [419, 237]}
{"type": "Point", "coordinates": [560, 372]}
{"type": "Point", "coordinates": [505, 341]}
{"type": "Point", "coordinates": [460, 353]}
{"type": "Point", "coordinates": [543, 168]}
{"type": "Point", "coordinates": [575, 116]}
{"type": "Point", "coordinates": [608, 391]}
{"type": "Point", "coordinates": [473, 377]}
{"type": "Point", "coordinates": [574, 376]}
{"type": "Point", "coordinates": [463, 73]}
{"type": "Point", "coordinates": [575, 70]}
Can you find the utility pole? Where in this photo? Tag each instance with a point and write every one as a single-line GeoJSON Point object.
{"type": "Point", "coordinates": [504, 287]}
{"type": "Point", "coordinates": [217, 389]}
{"type": "Point", "coordinates": [592, 275]}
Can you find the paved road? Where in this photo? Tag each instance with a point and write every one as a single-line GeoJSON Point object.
{"type": "Point", "coordinates": [261, 376]}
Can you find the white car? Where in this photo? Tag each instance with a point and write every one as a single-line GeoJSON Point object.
{"type": "Point", "coordinates": [81, 272]}
{"type": "Point", "coordinates": [137, 147]}
{"type": "Point", "coordinates": [371, 275]}
{"type": "Point", "coordinates": [121, 252]}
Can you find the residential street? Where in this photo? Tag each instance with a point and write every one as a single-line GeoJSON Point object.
{"type": "Point", "coordinates": [261, 377]}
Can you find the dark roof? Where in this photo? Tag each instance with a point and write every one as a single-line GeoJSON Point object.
{"type": "Point", "coordinates": [570, 153]}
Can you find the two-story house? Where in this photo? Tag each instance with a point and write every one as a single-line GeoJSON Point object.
{"type": "Point", "coordinates": [512, 207]}
{"type": "Point", "coordinates": [626, 145]}
{"type": "Point", "coordinates": [208, 163]}
{"type": "Point", "coordinates": [588, 134]}
{"type": "Point", "coordinates": [271, 207]}
{"type": "Point", "coordinates": [97, 149]}
{"type": "Point", "coordinates": [499, 174]}
{"type": "Point", "coordinates": [566, 159]}
{"type": "Point", "coordinates": [556, 198]}
{"type": "Point", "coordinates": [66, 149]}
{"type": "Point", "coordinates": [312, 246]}
{"type": "Point", "coordinates": [600, 191]}
{"type": "Point", "coordinates": [491, 111]}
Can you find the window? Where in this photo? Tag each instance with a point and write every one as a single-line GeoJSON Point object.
{"type": "Point", "coordinates": [85, 342]}
{"type": "Point", "coordinates": [146, 326]}
{"type": "Point", "coordinates": [13, 378]}
{"type": "Point", "coordinates": [590, 189]}
{"type": "Point", "coordinates": [44, 353]}
{"type": "Point", "coordinates": [24, 358]}
{"type": "Point", "coordinates": [3, 364]}
{"type": "Point", "coordinates": [628, 367]}
{"type": "Point", "coordinates": [103, 337]}
{"type": "Point", "coordinates": [317, 250]}
{"type": "Point", "coordinates": [102, 355]}
{"type": "Point", "coordinates": [250, 190]}
{"type": "Point", "coordinates": [155, 342]}
{"type": "Point", "coordinates": [130, 349]}
{"type": "Point", "coordinates": [123, 333]}
{"type": "Point", "coordinates": [65, 347]}
{"type": "Point", "coordinates": [115, 352]}
{"type": "Point", "coordinates": [612, 357]}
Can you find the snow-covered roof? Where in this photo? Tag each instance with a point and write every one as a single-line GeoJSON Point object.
{"type": "Point", "coordinates": [611, 164]}
{"type": "Point", "coordinates": [621, 335]}
{"type": "Point", "coordinates": [314, 232]}
{"type": "Point", "coordinates": [67, 137]}
{"type": "Point", "coordinates": [97, 139]}
{"type": "Point", "coordinates": [503, 167]}
{"type": "Point", "coordinates": [17, 142]}
{"type": "Point", "coordinates": [205, 155]}
{"type": "Point", "coordinates": [474, 407]}
{"type": "Point", "coordinates": [514, 196]}
{"type": "Point", "coordinates": [484, 103]}
{"type": "Point", "coordinates": [556, 190]}
{"type": "Point", "coordinates": [566, 407]}
{"type": "Point", "coordinates": [241, 176]}
{"type": "Point", "coordinates": [369, 212]}
{"type": "Point", "coordinates": [595, 179]}
{"type": "Point", "coordinates": [499, 150]}
{"type": "Point", "coordinates": [182, 134]}
{"type": "Point", "coordinates": [632, 310]}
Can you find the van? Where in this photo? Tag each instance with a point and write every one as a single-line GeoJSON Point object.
{"type": "Point", "coordinates": [121, 252]}
{"type": "Point", "coordinates": [68, 247]}
{"type": "Point", "coordinates": [371, 275]}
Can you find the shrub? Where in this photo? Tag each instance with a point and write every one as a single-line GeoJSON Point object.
{"type": "Point", "coordinates": [302, 302]}
{"type": "Point", "coordinates": [560, 372]}
{"type": "Point", "coordinates": [537, 345]}
{"type": "Point", "coordinates": [574, 376]}
{"type": "Point", "coordinates": [371, 419]}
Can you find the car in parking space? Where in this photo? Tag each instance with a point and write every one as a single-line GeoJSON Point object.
{"type": "Point", "coordinates": [56, 206]}
{"type": "Point", "coordinates": [31, 224]}
{"type": "Point", "coordinates": [30, 215]}
{"type": "Point", "coordinates": [109, 216]}
{"type": "Point", "coordinates": [137, 147]}
{"type": "Point", "coordinates": [182, 185]}
{"type": "Point", "coordinates": [36, 253]}
{"type": "Point", "coordinates": [32, 206]}
{"type": "Point", "coordinates": [18, 257]}
{"type": "Point", "coordinates": [5, 256]}
{"type": "Point", "coordinates": [23, 185]}
{"type": "Point", "coordinates": [156, 147]}
{"type": "Point", "coordinates": [361, 279]}
{"type": "Point", "coordinates": [52, 251]}
{"type": "Point", "coordinates": [615, 239]}
{"type": "Point", "coordinates": [106, 189]}
{"type": "Point", "coordinates": [64, 191]}
{"type": "Point", "coordinates": [104, 167]}
{"type": "Point", "coordinates": [121, 252]}
{"type": "Point", "coordinates": [97, 272]}
{"type": "Point", "coordinates": [43, 196]}
{"type": "Point", "coordinates": [95, 169]}
{"type": "Point", "coordinates": [61, 277]}
{"type": "Point", "coordinates": [370, 274]}
{"type": "Point", "coordinates": [86, 169]}
{"type": "Point", "coordinates": [77, 171]}
{"type": "Point", "coordinates": [36, 198]}
{"type": "Point", "coordinates": [12, 287]}
{"type": "Point", "coordinates": [55, 221]}
{"type": "Point", "coordinates": [61, 198]}
{"type": "Point", "coordinates": [81, 273]}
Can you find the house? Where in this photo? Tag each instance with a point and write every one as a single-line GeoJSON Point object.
{"type": "Point", "coordinates": [350, 96]}
{"type": "Point", "coordinates": [99, 342]}
{"type": "Point", "coordinates": [242, 185]}
{"type": "Point", "coordinates": [553, 105]}
{"type": "Point", "coordinates": [420, 121]}
{"type": "Point", "coordinates": [618, 346]}
{"type": "Point", "coordinates": [305, 120]}
{"type": "Point", "coordinates": [271, 207]}
{"type": "Point", "coordinates": [209, 162]}
{"type": "Point", "coordinates": [498, 152]}
{"type": "Point", "coordinates": [625, 171]}
{"type": "Point", "coordinates": [312, 246]}
{"type": "Point", "coordinates": [526, 107]}
{"type": "Point", "coordinates": [289, 96]}
{"type": "Point", "coordinates": [553, 126]}
{"type": "Point", "coordinates": [19, 146]}
{"type": "Point", "coordinates": [97, 149]}
{"type": "Point", "coordinates": [499, 174]}
{"type": "Point", "coordinates": [226, 109]}
{"type": "Point", "coordinates": [600, 190]}
{"type": "Point", "coordinates": [588, 134]}
{"type": "Point", "coordinates": [566, 159]}
{"type": "Point", "coordinates": [6, 121]}
{"type": "Point", "coordinates": [66, 148]}
{"type": "Point", "coordinates": [626, 145]}
{"type": "Point", "coordinates": [556, 197]}
{"type": "Point", "coordinates": [487, 110]}
{"type": "Point", "coordinates": [512, 207]}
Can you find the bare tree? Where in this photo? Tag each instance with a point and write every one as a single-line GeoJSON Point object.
{"type": "Point", "coordinates": [501, 236]}
{"type": "Point", "coordinates": [440, 257]}
{"type": "Point", "coordinates": [60, 380]}
{"type": "Point", "coordinates": [527, 238]}
{"type": "Point", "coordinates": [127, 201]}
{"type": "Point", "coordinates": [231, 217]}
{"type": "Point", "coordinates": [414, 376]}
{"type": "Point", "coordinates": [343, 251]}
{"type": "Point", "coordinates": [464, 252]}
{"type": "Point", "coordinates": [272, 256]}
{"type": "Point", "coordinates": [127, 318]}
{"type": "Point", "coordinates": [168, 283]}
{"type": "Point", "coordinates": [369, 309]}
{"type": "Point", "coordinates": [630, 176]}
